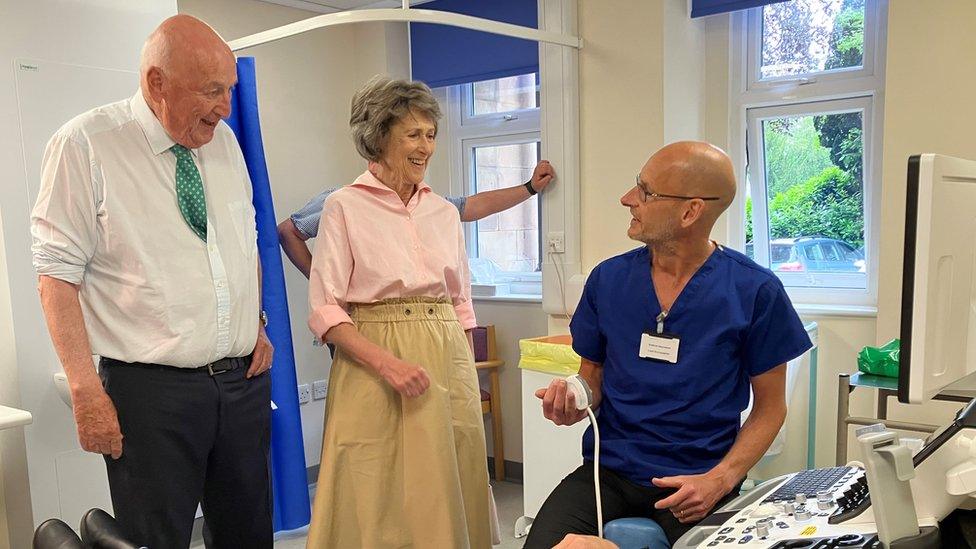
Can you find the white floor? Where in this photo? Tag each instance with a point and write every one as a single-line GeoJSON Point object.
{"type": "Point", "coordinates": [508, 497]}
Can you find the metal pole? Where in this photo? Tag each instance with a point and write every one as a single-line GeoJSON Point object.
{"type": "Point", "coordinates": [843, 409]}
{"type": "Point", "coordinates": [893, 424]}
{"type": "Point", "coordinates": [405, 15]}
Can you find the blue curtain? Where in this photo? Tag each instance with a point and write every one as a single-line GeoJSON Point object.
{"type": "Point", "coordinates": [288, 477]}
{"type": "Point", "coordinates": [445, 56]}
{"type": "Point", "coordinates": [701, 8]}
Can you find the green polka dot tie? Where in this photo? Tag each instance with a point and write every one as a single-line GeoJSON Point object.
{"type": "Point", "coordinates": [189, 192]}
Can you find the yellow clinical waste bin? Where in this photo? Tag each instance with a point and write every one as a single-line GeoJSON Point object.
{"type": "Point", "coordinates": [549, 354]}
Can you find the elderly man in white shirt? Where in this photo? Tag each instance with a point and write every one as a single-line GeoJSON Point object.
{"type": "Point", "coordinates": [145, 245]}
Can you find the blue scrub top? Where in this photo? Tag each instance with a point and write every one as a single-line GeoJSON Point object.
{"type": "Point", "coordinates": [659, 419]}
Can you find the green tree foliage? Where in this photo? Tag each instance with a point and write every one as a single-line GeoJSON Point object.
{"type": "Point", "coordinates": [748, 219]}
{"type": "Point", "coordinates": [791, 33]}
{"type": "Point", "coordinates": [829, 204]}
{"type": "Point", "coordinates": [841, 133]}
{"type": "Point", "coordinates": [846, 44]}
{"type": "Point", "coordinates": [793, 152]}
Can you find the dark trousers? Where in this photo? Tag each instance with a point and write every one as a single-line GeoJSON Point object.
{"type": "Point", "coordinates": [571, 507]}
{"type": "Point", "coordinates": [187, 439]}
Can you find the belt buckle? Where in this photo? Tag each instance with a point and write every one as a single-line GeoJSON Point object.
{"type": "Point", "coordinates": [211, 371]}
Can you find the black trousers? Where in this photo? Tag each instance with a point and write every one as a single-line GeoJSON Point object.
{"type": "Point", "coordinates": [187, 439]}
{"type": "Point", "coordinates": [571, 507]}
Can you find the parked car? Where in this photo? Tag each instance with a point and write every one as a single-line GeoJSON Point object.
{"type": "Point", "coordinates": [812, 253]}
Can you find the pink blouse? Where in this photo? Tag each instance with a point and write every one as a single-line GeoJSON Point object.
{"type": "Point", "coordinates": [371, 247]}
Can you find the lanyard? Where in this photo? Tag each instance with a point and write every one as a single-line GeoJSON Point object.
{"type": "Point", "coordinates": [660, 321]}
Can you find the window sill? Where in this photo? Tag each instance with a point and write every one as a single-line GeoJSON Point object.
{"type": "Point", "coordinates": [850, 311]}
{"type": "Point", "coordinates": [509, 298]}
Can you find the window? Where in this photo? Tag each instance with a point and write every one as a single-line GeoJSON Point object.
{"type": "Point", "coordinates": [504, 95]}
{"type": "Point", "coordinates": [494, 129]}
{"type": "Point", "coordinates": [809, 41]}
{"type": "Point", "coordinates": [808, 147]}
{"type": "Point", "coordinates": [509, 239]}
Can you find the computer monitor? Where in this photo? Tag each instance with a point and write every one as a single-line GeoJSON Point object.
{"type": "Point", "coordinates": [938, 303]}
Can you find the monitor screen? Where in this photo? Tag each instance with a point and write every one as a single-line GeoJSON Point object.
{"type": "Point", "coordinates": [938, 306]}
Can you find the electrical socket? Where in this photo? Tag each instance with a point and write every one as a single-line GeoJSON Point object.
{"type": "Point", "coordinates": [304, 393]}
{"type": "Point", "coordinates": [556, 241]}
{"type": "Point", "coordinates": [320, 389]}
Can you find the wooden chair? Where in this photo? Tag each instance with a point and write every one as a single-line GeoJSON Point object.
{"type": "Point", "coordinates": [491, 402]}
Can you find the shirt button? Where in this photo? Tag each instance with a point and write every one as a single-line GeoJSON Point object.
{"type": "Point", "coordinates": [220, 284]}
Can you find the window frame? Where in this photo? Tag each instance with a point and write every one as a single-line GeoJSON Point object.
{"type": "Point", "coordinates": [793, 95]}
{"type": "Point", "coordinates": [466, 132]}
{"type": "Point", "coordinates": [468, 147]}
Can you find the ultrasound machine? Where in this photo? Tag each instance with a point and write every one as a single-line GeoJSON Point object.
{"type": "Point", "coordinates": [893, 499]}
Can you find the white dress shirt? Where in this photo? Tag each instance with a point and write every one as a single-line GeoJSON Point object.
{"type": "Point", "coordinates": [107, 219]}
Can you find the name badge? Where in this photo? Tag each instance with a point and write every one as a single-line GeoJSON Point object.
{"type": "Point", "coordinates": [659, 347]}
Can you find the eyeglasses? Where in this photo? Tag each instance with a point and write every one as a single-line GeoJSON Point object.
{"type": "Point", "coordinates": [646, 195]}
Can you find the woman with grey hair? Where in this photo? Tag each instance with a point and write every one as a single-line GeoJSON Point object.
{"type": "Point", "coordinates": [403, 456]}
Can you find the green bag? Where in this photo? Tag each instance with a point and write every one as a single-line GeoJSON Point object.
{"type": "Point", "coordinates": [880, 361]}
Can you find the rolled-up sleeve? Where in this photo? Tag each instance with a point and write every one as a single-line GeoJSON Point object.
{"type": "Point", "coordinates": [63, 221]}
{"type": "Point", "coordinates": [307, 219]}
{"type": "Point", "coordinates": [332, 264]}
{"type": "Point", "coordinates": [461, 296]}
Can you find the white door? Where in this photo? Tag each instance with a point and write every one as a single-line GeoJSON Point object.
{"type": "Point", "coordinates": [65, 481]}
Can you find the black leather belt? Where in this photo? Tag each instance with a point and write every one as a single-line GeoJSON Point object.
{"type": "Point", "coordinates": [217, 367]}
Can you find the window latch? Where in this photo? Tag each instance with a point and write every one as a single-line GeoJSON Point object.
{"type": "Point", "coordinates": [510, 117]}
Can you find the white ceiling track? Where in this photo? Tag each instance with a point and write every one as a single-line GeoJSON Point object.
{"type": "Point", "coordinates": [404, 14]}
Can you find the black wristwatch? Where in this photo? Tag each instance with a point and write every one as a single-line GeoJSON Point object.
{"type": "Point", "coordinates": [528, 187]}
{"type": "Point", "coordinates": [264, 318]}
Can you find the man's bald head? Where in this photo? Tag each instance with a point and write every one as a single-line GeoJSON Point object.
{"type": "Point", "coordinates": [693, 182]}
{"type": "Point", "coordinates": [187, 72]}
{"type": "Point", "coordinates": [693, 168]}
{"type": "Point", "coordinates": [179, 43]}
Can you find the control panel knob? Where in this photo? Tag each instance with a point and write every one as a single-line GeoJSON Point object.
{"type": "Point", "coordinates": [800, 499]}
{"type": "Point", "coordinates": [802, 514]}
{"type": "Point", "coordinates": [789, 508]}
{"type": "Point", "coordinates": [762, 529]}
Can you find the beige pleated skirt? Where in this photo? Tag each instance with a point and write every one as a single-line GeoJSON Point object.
{"type": "Point", "coordinates": [401, 472]}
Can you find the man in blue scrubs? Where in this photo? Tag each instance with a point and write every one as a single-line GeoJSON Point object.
{"type": "Point", "coordinates": [672, 337]}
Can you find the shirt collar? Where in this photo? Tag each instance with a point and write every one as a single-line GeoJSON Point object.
{"type": "Point", "coordinates": [367, 179]}
{"type": "Point", "coordinates": [159, 140]}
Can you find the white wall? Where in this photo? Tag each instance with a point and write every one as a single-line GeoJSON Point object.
{"type": "Point", "coordinates": [15, 509]}
{"type": "Point", "coordinates": [621, 69]}
{"type": "Point", "coordinates": [107, 34]}
{"type": "Point", "coordinates": [684, 73]}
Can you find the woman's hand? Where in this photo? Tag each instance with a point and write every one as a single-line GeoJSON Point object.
{"type": "Point", "coordinates": [408, 379]}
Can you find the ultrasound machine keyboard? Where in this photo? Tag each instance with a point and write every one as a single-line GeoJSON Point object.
{"type": "Point", "coordinates": [805, 511]}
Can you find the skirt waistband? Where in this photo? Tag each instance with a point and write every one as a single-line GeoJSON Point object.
{"type": "Point", "coordinates": [403, 309]}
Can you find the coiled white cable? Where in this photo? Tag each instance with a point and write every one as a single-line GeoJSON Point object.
{"type": "Point", "coordinates": [596, 471]}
